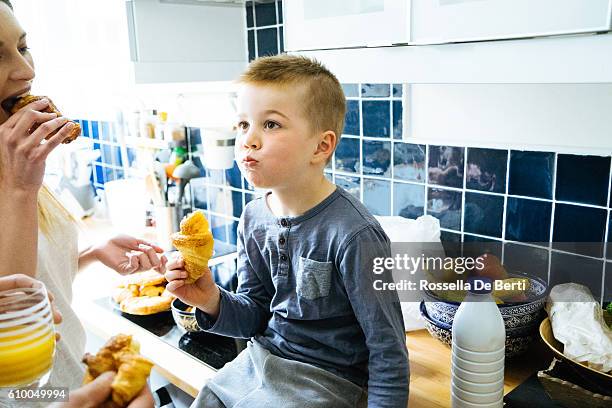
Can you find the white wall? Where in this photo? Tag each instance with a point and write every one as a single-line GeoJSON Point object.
{"type": "Point", "coordinates": [576, 118]}
{"type": "Point", "coordinates": [81, 54]}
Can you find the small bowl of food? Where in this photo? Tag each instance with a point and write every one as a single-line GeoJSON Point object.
{"type": "Point", "coordinates": [184, 316]}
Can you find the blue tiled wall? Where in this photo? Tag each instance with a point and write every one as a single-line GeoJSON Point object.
{"type": "Point", "coordinates": [542, 212]}
{"type": "Point", "coordinates": [114, 158]}
{"type": "Point", "coordinates": [264, 28]}
{"type": "Point", "coordinates": [529, 208]}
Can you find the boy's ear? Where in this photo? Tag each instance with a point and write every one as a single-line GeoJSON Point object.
{"type": "Point", "coordinates": [325, 147]}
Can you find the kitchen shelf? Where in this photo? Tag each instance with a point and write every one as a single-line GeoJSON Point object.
{"type": "Point", "coordinates": [584, 58]}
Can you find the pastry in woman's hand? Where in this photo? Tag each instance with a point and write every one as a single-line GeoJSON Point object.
{"type": "Point", "coordinates": [51, 108]}
{"type": "Point", "coordinates": [120, 354]}
{"type": "Point", "coordinates": [195, 243]}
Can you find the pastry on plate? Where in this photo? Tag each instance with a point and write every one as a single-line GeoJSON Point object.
{"type": "Point", "coordinates": [143, 293]}
{"type": "Point", "coordinates": [51, 108]}
{"type": "Point", "coordinates": [146, 305]}
{"type": "Point", "coordinates": [195, 243]}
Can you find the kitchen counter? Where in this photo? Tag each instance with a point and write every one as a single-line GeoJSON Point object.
{"type": "Point", "coordinates": [429, 359]}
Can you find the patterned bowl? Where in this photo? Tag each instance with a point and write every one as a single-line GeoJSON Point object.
{"type": "Point", "coordinates": [515, 315]}
{"type": "Point", "coordinates": [517, 340]}
{"type": "Point", "coordinates": [184, 316]}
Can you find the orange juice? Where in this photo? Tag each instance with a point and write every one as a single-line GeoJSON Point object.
{"type": "Point", "coordinates": [25, 357]}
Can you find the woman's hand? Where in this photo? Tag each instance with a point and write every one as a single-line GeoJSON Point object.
{"type": "Point", "coordinates": [23, 155]}
{"type": "Point", "coordinates": [203, 293]}
{"type": "Point", "coordinates": [126, 254]}
{"type": "Point", "coordinates": [97, 392]}
{"type": "Point", "coordinates": [18, 281]}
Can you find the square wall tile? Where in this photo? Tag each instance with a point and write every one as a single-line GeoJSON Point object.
{"type": "Point", "coordinates": [376, 158]}
{"type": "Point", "coordinates": [95, 134]}
{"type": "Point", "coordinates": [350, 184]}
{"type": "Point", "coordinates": [608, 283]}
{"type": "Point", "coordinates": [377, 196]}
{"type": "Point", "coordinates": [265, 14]}
{"type": "Point", "coordinates": [279, 10]}
{"type": "Point", "coordinates": [566, 268]}
{"type": "Point", "coordinates": [409, 162]}
{"type": "Point", "coordinates": [579, 229]}
{"type": "Point", "coordinates": [408, 200]}
{"type": "Point", "coordinates": [251, 45]}
{"type": "Point", "coordinates": [446, 166]}
{"type": "Point", "coordinates": [351, 118]}
{"type": "Point", "coordinates": [452, 244]}
{"type": "Point", "coordinates": [526, 259]}
{"type": "Point", "coordinates": [350, 90]}
{"type": "Point", "coordinates": [483, 214]}
{"type": "Point", "coordinates": [528, 220]}
{"type": "Point", "coordinates": [583, 179]}
{"type": "Point", "coordinates": [347, 155]}
{"type": "Point", "coordinates": [376, 118]}
{"type": "Point", "coordinates": [236, 203]}
{"type": "Point", "coordinates": [397, 91]}
{"type": "Point", "coordinates": [486, 169]}
{"type": "Point", "coordinates": [267, 43]}
{"type": "Point", "coordinates": [531, 174]}
{"type": "Point", "coordinates": [397, 120]}
{"type": "Point", "coordinates": [249, 14]}
{"type": "Point", "coordinates": [233, 176]}
{"type": "Point", "coordinates": [248, 197]}
{"type": "Point", "coordinates": [85, 126]}
{"type": "Point", "coordinates": [375, 90]}
{"type": "Point", "coordinates": [609, 244]}
{"type": "Point", "coordinates": [445, 205]}
{"type": "Point", "coordinates": [474, 246]}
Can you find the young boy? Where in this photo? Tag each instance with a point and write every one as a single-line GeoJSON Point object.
{"type": "Point", "coordinates": [321, 336]}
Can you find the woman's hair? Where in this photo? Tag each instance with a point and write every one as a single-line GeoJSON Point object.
{"type": "Point", "coordinates": [8, 3]}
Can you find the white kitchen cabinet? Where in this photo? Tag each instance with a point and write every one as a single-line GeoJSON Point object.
{"type": "Point", "coordinates": [443, 21]}
{"type": "Point", "coordinates": [186, 41]}
{"type": "Point", "coordinates": [320, 24]}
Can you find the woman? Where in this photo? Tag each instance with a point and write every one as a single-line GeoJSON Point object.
{"type": "Point", "coordinates": [38, 237]}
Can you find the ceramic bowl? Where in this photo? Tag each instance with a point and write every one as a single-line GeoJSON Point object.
{"type": "Point", "coordinates": [515, 315]}
{"type": "Point", "coordinates": [517, 340]}
{"type": "Point", "coordinates": [184, 319]}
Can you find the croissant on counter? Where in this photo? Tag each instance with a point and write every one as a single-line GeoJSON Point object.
{"type": "Point", "coordinates": [27, 99]}
{"type": "Point", "coordinates": [120, 354]}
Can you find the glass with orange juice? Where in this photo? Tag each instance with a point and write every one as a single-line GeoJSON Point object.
{"type": "Point", "coordinates": [27, 337]}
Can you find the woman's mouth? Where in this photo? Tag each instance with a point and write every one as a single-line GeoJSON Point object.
{"type": "Point", "coordinates": [10, 101]}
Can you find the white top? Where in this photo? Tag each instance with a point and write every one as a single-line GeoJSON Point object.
{"type": "Point", "coordinates": [57, 267]}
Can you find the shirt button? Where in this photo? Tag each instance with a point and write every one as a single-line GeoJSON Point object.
{"type": "Point", "coordinates": [283, 257]}
{"type": "Point", "coordinates": [284, 222]}
{"type": "Point", "coordinates": [281, 241]}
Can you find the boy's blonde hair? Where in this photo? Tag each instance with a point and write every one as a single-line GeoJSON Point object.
{"type": "Point", "coordinates": [324, 101]}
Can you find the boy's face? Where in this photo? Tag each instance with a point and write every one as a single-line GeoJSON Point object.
{"type": "Point", "coordinates": [275, 144]}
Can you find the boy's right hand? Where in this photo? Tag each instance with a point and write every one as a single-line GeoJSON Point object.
{"type": "Point", "coordinates": [203, 293]}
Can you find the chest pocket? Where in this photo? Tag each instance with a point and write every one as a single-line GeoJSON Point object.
{"type": "Point", "coordinates": [313, 278]}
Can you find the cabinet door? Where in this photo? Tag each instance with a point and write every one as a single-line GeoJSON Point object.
{"type": "Point", "coordinates": [443, 21]}
{"type": "Point", "coordinates": [317, 24]}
